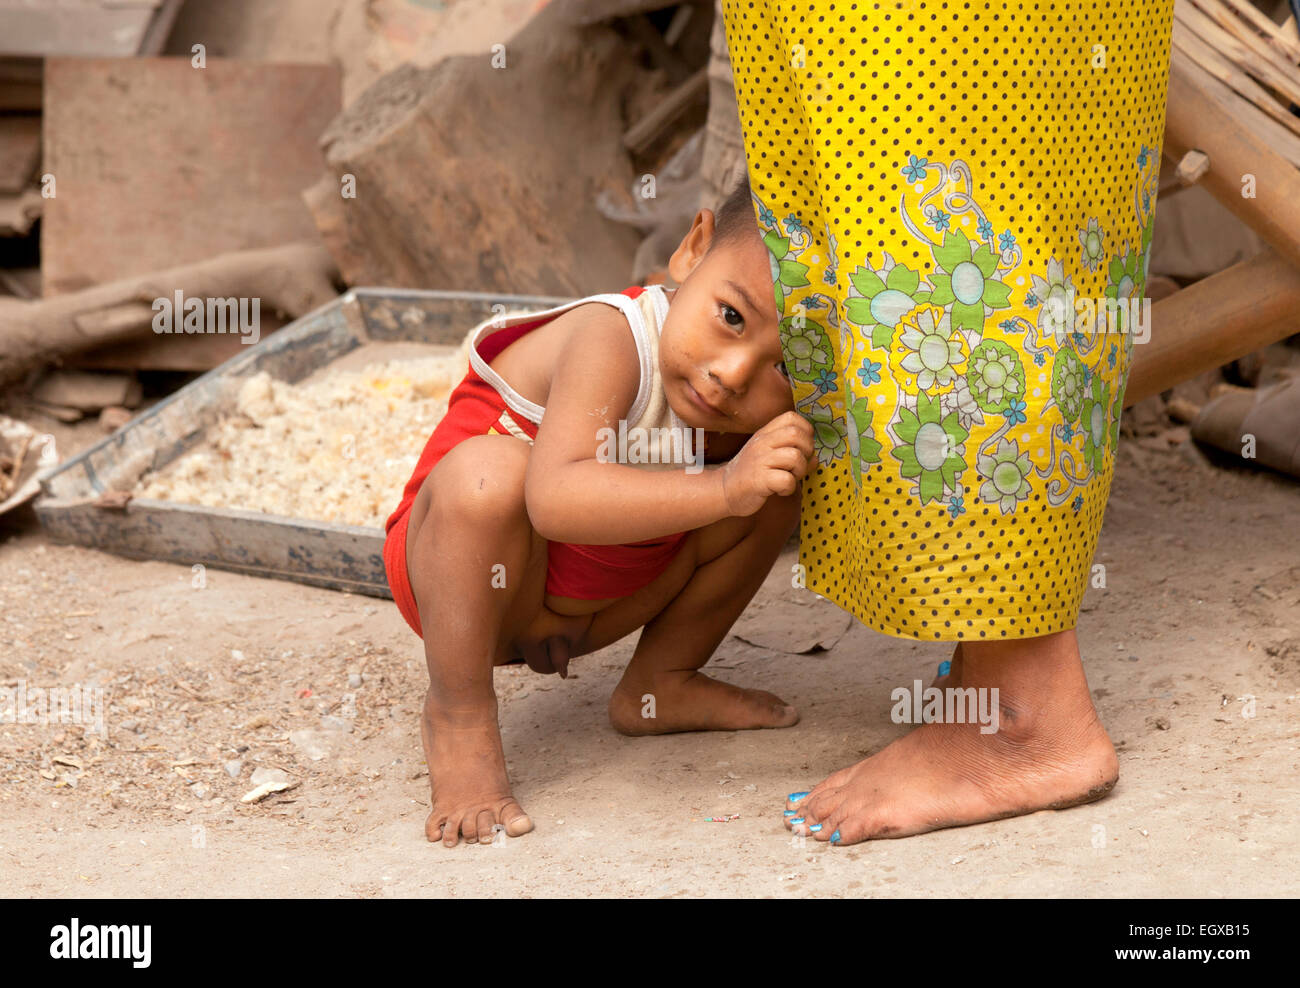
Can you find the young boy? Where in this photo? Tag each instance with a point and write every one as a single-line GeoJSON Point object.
{"type": "Point", "coordinates": [523, 536]}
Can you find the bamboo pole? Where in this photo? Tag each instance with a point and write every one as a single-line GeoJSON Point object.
{"type": "Point", "coordinates": [1215, 321]}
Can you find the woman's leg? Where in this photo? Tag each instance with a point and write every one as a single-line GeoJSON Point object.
{"type": "Point", "coordinates": [950, 256]}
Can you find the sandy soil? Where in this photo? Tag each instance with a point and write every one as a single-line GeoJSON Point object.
{"type": "Point", "coordinates": [1201, 608]}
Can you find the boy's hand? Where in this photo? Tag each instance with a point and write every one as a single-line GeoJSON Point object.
{"type": "Point", "coordinates": [772, 462]}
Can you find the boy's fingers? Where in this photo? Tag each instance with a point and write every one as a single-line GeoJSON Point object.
{"type": "Point", "coordinates": [781, 482]}
{"type": "Point", "coordinates": [789, 458]}
{"type": "Point", "coordinates": [794, 418]}
{"type": "Point", "coordinates": [798, 439]}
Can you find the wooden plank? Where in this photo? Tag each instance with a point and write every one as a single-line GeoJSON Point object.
{"type": "Point", "coordinates": [1242, 89]}
{"type": "Point", "coordinates": [1250, 53]}
{"type": "Point", "coordinates": [216, 161]}
{"type": "Point", "coordinates": [78, 28]}
{"type": "Point", "coordinates": [1285, 42]}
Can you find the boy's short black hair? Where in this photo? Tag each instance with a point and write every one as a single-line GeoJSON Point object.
{"type": "Point", "coordinates": [735, 218]}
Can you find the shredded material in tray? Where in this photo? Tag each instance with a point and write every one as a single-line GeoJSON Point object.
{"type": "Point", "coordinates": [338, 449]}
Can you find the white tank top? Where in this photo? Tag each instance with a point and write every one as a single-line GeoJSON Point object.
{"type": "Point", "coordinates": [650, 420]}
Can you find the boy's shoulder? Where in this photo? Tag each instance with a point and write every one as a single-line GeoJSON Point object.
{"type": "Point", "coordinates": [592, 311]}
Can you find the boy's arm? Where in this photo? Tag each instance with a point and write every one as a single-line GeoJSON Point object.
{"type": "Point", "coordinates": [573, 497]}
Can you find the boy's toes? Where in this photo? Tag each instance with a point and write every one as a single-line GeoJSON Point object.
{"type": "Point", "coordinates": [517, 822]}
{"type": "Point", "coordinates": [433, 827]}
{"type": "Point", "coordinates": [478, 825]}
{"type": "Point", "coordinates": [771, 710]}
{"type": "Point", "coordinates": [451, 831]}
{"type": "Point", "coordinates": [484, 823]}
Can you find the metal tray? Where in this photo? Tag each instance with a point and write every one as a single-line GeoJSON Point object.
{"type": "Point", "coordinates": [323, 554]}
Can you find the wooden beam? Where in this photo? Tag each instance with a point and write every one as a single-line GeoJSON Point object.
{"type": "Point", "coordinates": [1215, 321]}
{"type": "Point", "coordinates": [644, 132]}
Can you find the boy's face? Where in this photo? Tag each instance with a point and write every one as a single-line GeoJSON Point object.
{"type": "Point", "coordinates": [720, 346]}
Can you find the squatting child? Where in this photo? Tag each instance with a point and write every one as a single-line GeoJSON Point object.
{"type": "Point", "coordinates": [628, 460]}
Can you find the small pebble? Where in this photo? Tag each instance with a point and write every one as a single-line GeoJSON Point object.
{"type": "Point", "coordinates": [264, 774]}
{"type": "Point", "coordinates": [233, 768]}
{"type": "Point", "coordinates": [354, 680]}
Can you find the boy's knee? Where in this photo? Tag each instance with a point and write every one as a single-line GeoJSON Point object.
{"type": "Point", "coordinates": [480, 483]}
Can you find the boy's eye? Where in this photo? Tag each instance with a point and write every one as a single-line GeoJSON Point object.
{"type": "Point", "coordinates": [728, 312]}
{"type": "Point", "coordinates": [785, 371]}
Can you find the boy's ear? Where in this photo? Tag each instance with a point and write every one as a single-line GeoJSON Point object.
{"type": "Point", "coordinates": [693, 247]}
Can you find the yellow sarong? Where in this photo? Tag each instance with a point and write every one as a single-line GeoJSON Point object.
{"type": "Point", "coordinates": [959, 200]}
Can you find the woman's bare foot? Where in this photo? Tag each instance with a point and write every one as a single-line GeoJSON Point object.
{"type": "Point", "coordinates": [467, 776]}
{"type": "Point", "coordinates": [690, 701]}
{"type": "Point", "coordinates": [1049, 752]}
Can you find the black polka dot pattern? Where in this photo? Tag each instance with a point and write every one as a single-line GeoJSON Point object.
{"type": "Point", "coordinates": [1047, 115]}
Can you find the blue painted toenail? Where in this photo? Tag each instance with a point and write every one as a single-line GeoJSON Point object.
{"type": "Point", "coordinates": [815, 827]}
{"type": "Point", "coordinates": [794, 797]}
{"type": "Point", "coordinates": [797, 820]}
{"type": "Point", "coordinates": [789, 812]}
{"type": "Point", "coordinates": [835, 837]}
{"type": "Point", "coordinates": [945, 667]}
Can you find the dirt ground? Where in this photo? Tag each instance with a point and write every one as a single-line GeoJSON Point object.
{"type": "Point", "coordinates": [1201, 613]}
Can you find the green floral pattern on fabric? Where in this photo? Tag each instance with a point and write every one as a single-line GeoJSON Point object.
{"type": "Point", "coordinates": [930, 449]}
{"type": "Point", "coordinates": [977, 376]}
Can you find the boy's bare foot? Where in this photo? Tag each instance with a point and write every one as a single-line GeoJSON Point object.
{"type": "Point", "coordinates": [688, 700]}
{"type": "Point", "coordinates": [467, 776]}
{"type": "Point", "coordinates": [1049, 752]}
